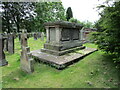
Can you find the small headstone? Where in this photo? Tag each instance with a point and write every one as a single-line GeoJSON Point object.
{"type": "Point", "coordinates": [6, 43]}
{"type": "Point", "coordinates": [11, 43]}
{"type": "Point", "coordinates": [26, 60]}
{"type": "Point", "coordinates": [35, 36]}
{"type": "Point", "coordinates": [3, 61]}
{"type": "Point", "coordinates": [39, 34]}
{"type": "Point", "coordinates": [42, 36]}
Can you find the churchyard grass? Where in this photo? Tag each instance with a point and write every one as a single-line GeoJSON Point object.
{"type": "Point", "coordinates": [94, 71]}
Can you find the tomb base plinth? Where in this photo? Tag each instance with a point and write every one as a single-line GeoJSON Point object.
{"type": "Point", "coordinates": [61, 62]}
{"type": "Point", "coordinates": [62, 52]}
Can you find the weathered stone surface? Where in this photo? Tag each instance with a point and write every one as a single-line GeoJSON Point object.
{"type": "Point", "coordinates": [62, 52]}
{"type": "Point", "coordinates": [63, 61]}
{"type": "Point", "coordinates": [11, 43]}
{"type": "Point", "coordinates": [65, 24]}
{"type": "Point", "coordinates": [27, 63]}
{"type": "Point", "coordinates": [6, 43]}
{"type": "Point", "coordinates": [3, 61]}
{"type": "Point", "coordinates": [82, 34]}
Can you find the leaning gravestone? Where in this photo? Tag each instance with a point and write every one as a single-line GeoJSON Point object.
{"type": "Point", "coordinates": [11, 43]}
{"type": "Point", "coordinates": [26, 60]}
{"type": "Point", "coordinates": [3, 61]}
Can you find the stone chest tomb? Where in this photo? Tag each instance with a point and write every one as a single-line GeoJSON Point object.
{"type": "Point", "coordinates": [62, 36]}
{"type": "Point", "coordinates": [62, 39]}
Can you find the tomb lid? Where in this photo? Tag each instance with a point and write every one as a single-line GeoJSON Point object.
{"type": "Point", "coordinates": [63, 24]}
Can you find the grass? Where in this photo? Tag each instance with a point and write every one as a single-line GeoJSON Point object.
{"type": "Point", "coordinates": [94, 71]}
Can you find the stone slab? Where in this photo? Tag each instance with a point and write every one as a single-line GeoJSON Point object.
{"type": "Point", "coordinates": [60, 53]}
{"type": "Point", "coordinates": [63, 61]}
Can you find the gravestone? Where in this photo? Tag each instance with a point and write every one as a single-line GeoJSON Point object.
{"type": "Point", "coordinates": [39, 34]}
{"type": "Point", "coordinates": [6, 45]}
{"type": "Point", "coordinates": [11, 43]}
{"type": "Point", "coordinates": [26, 60]}
{"type": "Point", "coordinates": [82, 34]}
{"type": "Point", "coordinates": [35, 36]}
{"type": "Point", "coordinates": [42, 36]}
{"type": "Point", "coordinates": [6, 42]}
{"type": "Point", "coordinates": [3, 61]}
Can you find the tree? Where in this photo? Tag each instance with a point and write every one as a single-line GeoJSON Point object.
{"type": "Point", "coordinates": [73, 20]}
{"type": "Point", "coordinates": [69, 13]}
{"type": "Point", "coordinates": [48, 11]}
{"type": "Point", "coordinates": [109, 39]}
{"type": "Point", "coordinates": [15, 14]}
{"type": "Point", "coordinates": [30, 16]}
{"type": "Point", "coordinates": [87, 24]}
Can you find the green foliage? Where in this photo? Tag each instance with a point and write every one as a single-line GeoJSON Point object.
{"type": "Point", "coordinates": [30, 15]}
{"type": "Point", "coordinates": [109, 22]}
{"type": "Point", "coordinates": [69, 13]}
{"type": "Point", "coordinates": [73, 20]}
{"type": "Point", "coordinates": [15, 14]}
{"type": "Point", "coordinates": [86, 24]}
{"type": "Point", "coordinates": [93, 37]}
{"type": "Point", "coordinates": [47, 11]}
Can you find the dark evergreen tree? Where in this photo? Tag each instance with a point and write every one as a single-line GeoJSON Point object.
{"type": "Point", "coordinates": [69, 13]}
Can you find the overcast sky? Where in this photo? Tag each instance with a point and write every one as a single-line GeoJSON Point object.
{"type": "Point", "coordinates": [83, 10]}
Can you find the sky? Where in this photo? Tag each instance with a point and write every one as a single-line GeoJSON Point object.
{"type": "Point", "coordinates": [83, 10]}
